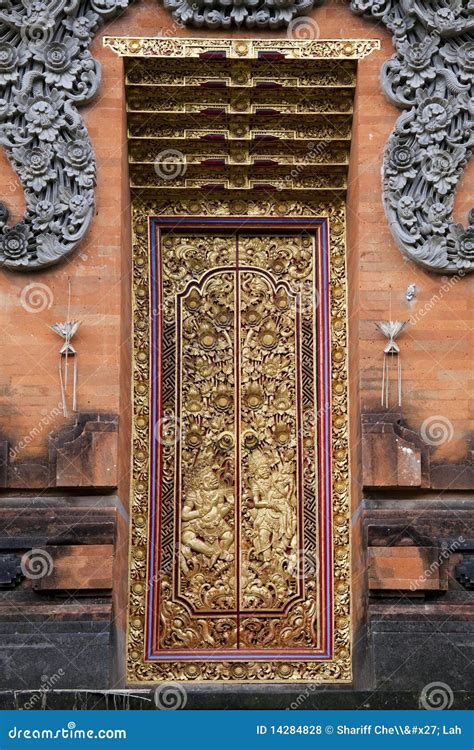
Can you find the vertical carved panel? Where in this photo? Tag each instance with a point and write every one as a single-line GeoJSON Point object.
{"type": "Point", "coordinates": [205, 472]}
{"type": "Point", "coordinates": [197, 311]}
{"type": "Point", "coordinates": [270, 438]}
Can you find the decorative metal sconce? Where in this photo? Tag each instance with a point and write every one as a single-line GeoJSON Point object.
{"type": "Point", "coordinates": [67, 330]}
{"type": "Point", "coordinates": [391, 329]}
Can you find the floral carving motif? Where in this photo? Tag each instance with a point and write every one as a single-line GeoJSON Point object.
{"type": "Point", "coordinates": [430, 77]}
{"type": "Point", "coordinates": [46, 72]}
{"type": "Point", "coordinates": [250, 14]}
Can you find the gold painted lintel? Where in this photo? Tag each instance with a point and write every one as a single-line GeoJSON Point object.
{"type": "Point", "coordinates": [243, 49]}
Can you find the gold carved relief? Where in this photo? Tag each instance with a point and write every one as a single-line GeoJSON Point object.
{"type": "Point", "coordinates": [269, 279]}
{"type": "Point", "coordinates": [233, 552]}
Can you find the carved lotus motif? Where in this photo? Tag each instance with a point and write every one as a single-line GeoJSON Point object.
{"type": "Point", "coordinates": [465, 57]}
{"type": "Point", "coordinates": [434, 117]}
{"type": "Point", "coordinates": [251, 315]}
{"type": "Point", "coordinates": [38, 14]}
{"type": "Point", "coordinates": [59, 59]}
{"type": "Point", "coordinates": [226, 13]}
{"type": "Point", "coordinates": [462, 55]}
{"type": "Point", "coordinates": [43, 214]}
{"type": "Point", "coordinates": [406, 206]}
{"type": "Point", "coordinates": [449, 18]}
{"type": "Point", "coordinates": [83, 26]}
{"type": "Point", "coordinates": [78, 206]}
{"type": "Point", "coordinates": [14, 243]}
{"type": "Point", "coordinates": [437, 214]}
{"type": "Point", "coordinates": [223, 398]}
{"type": "Point", "coordinates": [44, 114]}
{"type": "Point", "coordinates": [398, 26]}
{"type": "Point", "coordinates": [78, 160]}
{"type": "Point", "coordinates": [194, 400]}
{"type": "Point", "coordinates": [254, 396]}
{"type": "Point", "coordinates": [282, 400]}
{"type": "Point", "coordinates": [440, 168]}
{"type": "Point", "coordinates": [34, 165]}
{"type": "Point", "coordinates": [11, 60]}
{"type": "Point", "coordinates": [464, 243]}
{"type": "Point", "coordinates": [415, 61]}
{"type": "Point", "coordinates": [402, 163]}
{"type": "Point", "coordinates": [433, 52]}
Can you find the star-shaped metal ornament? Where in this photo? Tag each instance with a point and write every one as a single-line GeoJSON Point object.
{"type": "Point", "coordinates": [67, 331]}
{"type": "Point", "coordinates": [391, 329]}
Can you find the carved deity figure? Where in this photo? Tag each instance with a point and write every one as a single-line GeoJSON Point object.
{"type": "Point", "coordinates": [274, 501]}
{"type": "Point", "coordinates": [205, 527]}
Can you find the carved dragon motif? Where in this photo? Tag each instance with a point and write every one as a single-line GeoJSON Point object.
{"type": "Point", "coordinates": [47, 72]}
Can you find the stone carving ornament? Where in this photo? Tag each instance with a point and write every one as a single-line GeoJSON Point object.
{"type": "Point", "coordinates": [47, 72]}
{"type": "Point", "coordinates": [430, 77]}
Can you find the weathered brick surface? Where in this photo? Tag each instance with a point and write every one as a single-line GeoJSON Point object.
{"type": "Point", "coordinates": [437, 348]}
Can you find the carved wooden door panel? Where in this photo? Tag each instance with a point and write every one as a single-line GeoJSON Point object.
{"type": "Point", "coordinates": [237, 537]}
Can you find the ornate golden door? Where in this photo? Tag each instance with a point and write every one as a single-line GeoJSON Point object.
{"type": "Point", "coordinates": [240, 569]}
{"type": "Point", "coordinates": [240, 308]}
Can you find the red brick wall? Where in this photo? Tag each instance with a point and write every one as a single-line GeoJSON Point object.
{"type": "Point", "coordinates": [437, 350]}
